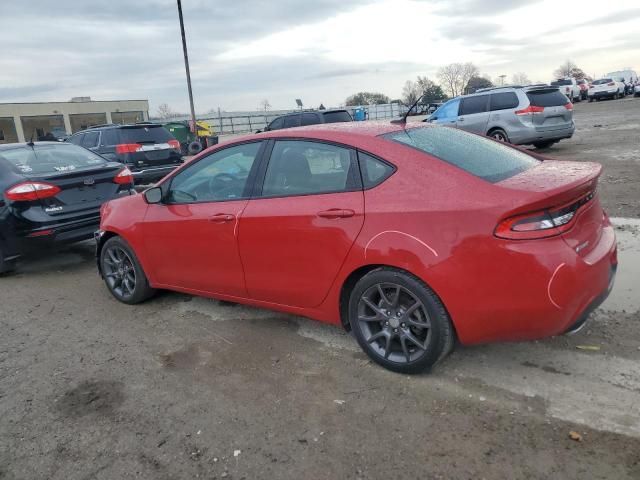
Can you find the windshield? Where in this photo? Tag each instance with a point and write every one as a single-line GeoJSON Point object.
{"type": "Point", "coordinates": [46, 159]}
{"type": "Point", "coordinates": [480, 156]}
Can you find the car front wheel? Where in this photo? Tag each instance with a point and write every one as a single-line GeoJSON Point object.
{"type": "Point", "coordinates": [399, 322]}
{"type": "Point", "coordinates": [123, 273]}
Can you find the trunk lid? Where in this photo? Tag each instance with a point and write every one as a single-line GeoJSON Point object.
{"type": "Point", "coordinates": [562, 187]}
{"type": "Point", "coordinates": [555, 115]}
{"type": "Point", "coordinates": [153, 147]}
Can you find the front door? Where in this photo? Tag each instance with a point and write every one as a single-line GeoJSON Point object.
{"type": "Point", "coordinates": [474, 114]}
{"type": "Point", "coordinates": [295, 237]}
{"type": "Point", "coordinates": [191, 237]}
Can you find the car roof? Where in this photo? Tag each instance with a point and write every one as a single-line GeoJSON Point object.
{"type": "Point", "coordinates": [10, 146]}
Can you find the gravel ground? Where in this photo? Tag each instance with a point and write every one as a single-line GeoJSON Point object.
{"type": "Point", "coordinates": [184, 387]}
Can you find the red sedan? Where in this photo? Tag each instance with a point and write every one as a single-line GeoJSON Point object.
{"type": "Point", "coordinates": [410, 236]}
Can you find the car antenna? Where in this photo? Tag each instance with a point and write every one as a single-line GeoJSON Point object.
{"type": "Point", "coordinates": [404, 117]}
{"type": "Point", "coordinates": [30, 142]}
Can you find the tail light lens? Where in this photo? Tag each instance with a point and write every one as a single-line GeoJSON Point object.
{"type": "Point", "coordinates": [568, 106]}
{"type": "Point", "coordinates": [175, 144]}
{"type": "Point", "coordinates": [611, 84]}
{"type": "Point", "coordinates": [123, 177]}
{"type": "Point", "coordinates": [30, 191]}
{"type": "Point", "coordinates": [128, 148]}
{"type": "Point", "coordinates": [530, 110]}
{"type": "Point", "coordinates": [541, 224]}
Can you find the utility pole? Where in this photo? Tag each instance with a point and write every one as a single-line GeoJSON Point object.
{"type": "Point", "coordinates": [186, 67]}
{"type": "Point", "coordinates": [501, 77]}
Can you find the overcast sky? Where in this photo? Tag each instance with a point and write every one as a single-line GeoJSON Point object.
{"type": "Point", "coordinates": [243, 51]}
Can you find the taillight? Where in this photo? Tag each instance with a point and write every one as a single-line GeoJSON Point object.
{"type": "Point", "coordinates": [543, 223]}
{"type": "Point", "coordinates": [128, 148]}
{"type": "Point", "coordinates": [568, 106]}
{"type": "Point", "coordinates": [123, 177]}
{"type": "Point", "coordinates": [30, 191]}
{"type": "Point", "coordinates": [530, 110]}
{"type": "Point", "coordinates": [175, 144]}
{"type": "Point", "coordinates": [611, 84]}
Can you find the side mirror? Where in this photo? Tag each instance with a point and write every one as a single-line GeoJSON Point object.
{"type": "Point", "coordinates": [153, 195]}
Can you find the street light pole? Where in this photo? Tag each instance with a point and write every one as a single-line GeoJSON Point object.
{"type": "Point", "coordinates": [186, 67]}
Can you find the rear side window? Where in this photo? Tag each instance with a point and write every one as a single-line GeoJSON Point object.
{"type": "Point", "coordinates": [49, 159]}
{"type": "Point", "coordinates": [477, 155]}
{"type": "Point", "coordinates": [335, 117]}
{"type": "Point", "coordinates": [145, 135]}
{"type": "Point", "coordinates": [292, 121]}
{"type": "Point", "coordinates": [546, 98]}
{"type": "Point", "coordinates": [374, 171]}
{"type": "Point", "coordinates": [472, 105]}
{"type": "Point", "coordinates": [309, 119]}
{"type": "Point", "coordinates": [503, 101]}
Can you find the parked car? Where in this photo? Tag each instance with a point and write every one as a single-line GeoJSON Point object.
{"type": "Point", "coordinates": [628, 77]}
{"type": "Point", "coordinates": [568, 86]}
{"type": "Point", "coordinates": [636, 90]}
{"type": "Point", "coordinates": [147, 149]}
{"type": "Point", "coordinates": [301, 119]}
{"type": "Point", "coordinates": [606, 88]}
{"type": "Point", "coordinates": [51, 194]}
{"type": "Point", "coordinates": [584, 88]}
{"type": "Point", "coordinates": [410, 235]}
{"type": "Point", "coordinates": [533, 115]}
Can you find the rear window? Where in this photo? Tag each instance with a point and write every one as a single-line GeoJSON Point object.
{"type": "Point", "coordinates": [557, 83]}
{"type": "Point", "coordinates": [146, 134]}
{"type": "Point", "coordinates": [546, 98]}
{"type": "Point", "coordinates": [602, 81]}
{"type": "Point", "coordinates": [335, 117]}
{"type": "Point", "coordinates": [477, 155]}
{"type": "Point", "coordinates": [48, 159]}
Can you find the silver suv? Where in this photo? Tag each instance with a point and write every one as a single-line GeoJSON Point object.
{"type": "Point", "coordinates": [537, 115]}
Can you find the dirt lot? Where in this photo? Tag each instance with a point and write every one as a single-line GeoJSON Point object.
{"type": "Point", "coordinates": [184, 387]}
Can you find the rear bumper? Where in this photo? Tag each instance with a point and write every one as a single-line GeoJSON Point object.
{"type": "Point", "coordinates": [603, 94]}
{"type": "Point", "coordinates": [152, 174]}
{"type": "Point", "coordinates": [556, 295]}
{"type": "Point", "coordinates": [535, 135]}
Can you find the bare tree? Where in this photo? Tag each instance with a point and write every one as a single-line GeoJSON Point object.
{"type": "Point", "coordinates": [455, 77]}
{"type": "Point", "coordinates": [410, 92]}
{"type": "Point", "coordinates": [264, 105]}
{"type": "Point", "coordinates": [565, 69]}
{"type": "Point", "coordinates": [520, 78]}
{"type": "Point", "coordinates": [164, 111]}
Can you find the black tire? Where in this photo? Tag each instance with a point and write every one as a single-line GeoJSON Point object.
{"type": "Point", "coordinates": [590, 99]}
{"type": "Point", "coordinates": [123, 273]}
{"type": "Point", "coordinates": [499, 135]}
{"type": "Point", "coordinates": [194, 148]}
{"type": "Point", "coordinates": [410, 330]}
{"type": "Point", "coordinates": [543, 144]}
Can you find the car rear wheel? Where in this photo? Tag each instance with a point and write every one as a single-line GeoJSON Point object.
{"type": "Point", "coordinates": [399, 322]}
{"type": "Point", "coordinates": [123, 273]}
{"type": "Point", "coordinates": [499, 134]}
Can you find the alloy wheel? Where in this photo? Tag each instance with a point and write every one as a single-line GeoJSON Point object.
{"type": "Point", "coordinates": [395, 323]}
{"type": "Point", "coordinates": [119, 272]}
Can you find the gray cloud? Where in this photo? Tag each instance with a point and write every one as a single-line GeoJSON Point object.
{"type": "Point", "coordinates": [475, 8]}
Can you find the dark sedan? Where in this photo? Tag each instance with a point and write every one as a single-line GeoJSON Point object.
{"type": "Point", "coordinates": [51, 193]}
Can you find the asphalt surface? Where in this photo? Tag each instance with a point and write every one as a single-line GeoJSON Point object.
{"type": "Point", "coordinates": [184, 387]}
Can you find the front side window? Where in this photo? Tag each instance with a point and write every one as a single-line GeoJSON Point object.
{"type": "Point", "coordinates": [448, 110]}
{"type": "Point", "coordinates": [292, 121]}
{"type": "Point", "coordinates": [480, 156]}
{"type": "Point", "coordinates": [277, 124]}
{"type": "Point", "coordinates": [471, 105]}
{"type": "Point", "coordinates": [76, 139]}
{"type": "Point", "coordinates": [303, 168]}
{"type": "Point", "coordinates": [221, 176]}
{"type": "Point", "coordinates": [90, 139]}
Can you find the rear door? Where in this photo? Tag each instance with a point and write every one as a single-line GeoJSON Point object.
{"type": "Point", "coordinates": [296, 234]}
{"type": "Point", "coordinates": [474, 114]}
{"type": "Point", "coordinates": [557, 113]}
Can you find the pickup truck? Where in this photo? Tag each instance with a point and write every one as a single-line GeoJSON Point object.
{"type": "Point", "coordinates": [568, 86]}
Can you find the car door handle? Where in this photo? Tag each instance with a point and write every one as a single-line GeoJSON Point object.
{"type": "Point", "coordinates": [221, 218]}
{"type": "Point", "coordinates": [336, 213]}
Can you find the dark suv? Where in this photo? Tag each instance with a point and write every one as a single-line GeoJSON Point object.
{"type": "Point", "coordinates": [301, 119]}
{"type": "Point", "coordinates": [148, 149]}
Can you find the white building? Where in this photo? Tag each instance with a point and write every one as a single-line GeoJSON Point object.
{"type": "Point", "coordinates": [20, 122]}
